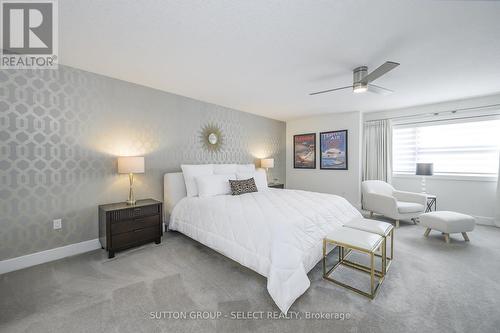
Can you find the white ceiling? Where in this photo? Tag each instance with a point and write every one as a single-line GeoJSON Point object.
{"type": "Point", "coordinates": [265, 56]}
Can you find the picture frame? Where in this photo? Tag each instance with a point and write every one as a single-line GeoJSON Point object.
{"type": "Point", "coordinates": [334, 150]}
{"type": "Point", "coordinates": [304, 151]}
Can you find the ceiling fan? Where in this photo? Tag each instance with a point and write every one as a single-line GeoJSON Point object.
{"type": "Point", "coordinates": [361, 80]}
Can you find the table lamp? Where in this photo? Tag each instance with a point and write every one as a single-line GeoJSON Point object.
{"type": "Point", "coordinates": [131, 165]}
{"type": "Point", "coordinates": [424, 169]}
{"type": "Point", "coordinates": [267, 163]}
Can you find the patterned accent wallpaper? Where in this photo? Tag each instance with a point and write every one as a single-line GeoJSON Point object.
{"type": "Point", "coordinates": [60, 133]}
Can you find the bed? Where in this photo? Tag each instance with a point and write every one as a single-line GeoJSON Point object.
{"type": "Point", "coordinates": [275, 232]}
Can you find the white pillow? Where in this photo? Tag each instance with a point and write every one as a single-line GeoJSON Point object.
{"type": "Point", "coordinates": [245, 168]}
{"type": "Point", "coordinates": [259, 176]}
{"type": "Point", "coordinates": [224, 169]}
{"type": "Point", "coordinates": [209, 186]}
{"type": "Point", "coordinates": [190, 172]}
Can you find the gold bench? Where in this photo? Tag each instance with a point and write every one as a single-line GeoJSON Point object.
{"type": "Point", "coordinates": [348, 240]}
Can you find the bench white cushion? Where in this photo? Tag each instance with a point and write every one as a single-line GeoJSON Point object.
{"type": "Point", "coordinates": [373, 226]}
{"type": "Point", "coordinates": [448, 222]}
{"type": "Point", "coordinates": [357, 238]}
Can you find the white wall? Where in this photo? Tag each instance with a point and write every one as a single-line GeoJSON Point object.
{"type": "Point", "coordinates": [465, 195]}
{"type": "Point", "coordinates": [497, 220]}
{"type": "Point", "coordinates": [472, 197]}
{"type": "Point", "coordinates": [346, 183]}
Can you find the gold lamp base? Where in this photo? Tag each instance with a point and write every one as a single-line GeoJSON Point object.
{"type": "Point", "coordinates": [131, 198]}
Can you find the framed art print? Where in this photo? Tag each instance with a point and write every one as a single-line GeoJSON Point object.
{"type": "Point", "coordinates": [333, 150]}
{"type": "Point", "coordinates": [304, 151]}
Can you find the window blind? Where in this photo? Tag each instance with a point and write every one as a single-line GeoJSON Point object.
{"type": "Point", "coordinates": [470, 147]}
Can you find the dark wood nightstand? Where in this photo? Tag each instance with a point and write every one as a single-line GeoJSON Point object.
{"type": "Point", "coordinates": [276, 185]}
{"type": "Point", "coordinates": [122, 226]}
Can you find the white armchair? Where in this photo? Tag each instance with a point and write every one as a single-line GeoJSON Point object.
{"type": "Point", "coordinates": [380, 197]}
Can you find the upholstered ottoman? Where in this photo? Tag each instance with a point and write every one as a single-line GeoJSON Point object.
{"type": "Point", "coordinates": [448, 223]}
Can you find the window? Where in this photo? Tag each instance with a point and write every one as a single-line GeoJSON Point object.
{"type": "Point", "coordinates": [468, 148]}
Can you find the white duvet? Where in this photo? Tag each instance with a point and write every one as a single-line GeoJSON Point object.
{"type": "Point", "coordinates": [277, 233]}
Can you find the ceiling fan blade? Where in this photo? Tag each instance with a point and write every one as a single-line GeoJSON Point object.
{"type": "Point", "coordinates": [381, 70]}
{"type": "Point", "coordinates": [329, 90]}
{"type": "Point", "coordinates": [379, 90]}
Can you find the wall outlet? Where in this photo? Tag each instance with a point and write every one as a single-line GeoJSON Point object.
{"type": "Point", "coordinates": [57, 224]}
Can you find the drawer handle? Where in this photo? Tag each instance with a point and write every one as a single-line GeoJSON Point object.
{"type": "Point", "coordinates": [138, 230]}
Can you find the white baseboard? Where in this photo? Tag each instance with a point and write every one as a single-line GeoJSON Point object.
{"type": "Point", "coordinates": [37, 258]}
{"type": "Point", "coordinates": [485, 220]}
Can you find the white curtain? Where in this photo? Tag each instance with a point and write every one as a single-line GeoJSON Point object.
{"type": "Point", "coordinates": [377, 152]}
{"type": "Point", "coordinates": [497, 210]}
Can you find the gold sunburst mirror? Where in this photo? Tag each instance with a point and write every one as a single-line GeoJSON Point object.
{"type": "Point", "coordinates": [211, 137]}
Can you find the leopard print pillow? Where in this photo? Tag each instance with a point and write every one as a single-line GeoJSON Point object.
{"type": "Point", "coordinates": [242, 186]}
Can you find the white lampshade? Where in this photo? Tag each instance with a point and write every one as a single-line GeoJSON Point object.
{"type": "Point", "coordinates": [267, 163]}
{"type": "Point", "coordinates": [131, 164]}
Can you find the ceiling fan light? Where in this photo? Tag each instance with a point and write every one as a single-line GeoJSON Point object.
{"type": "Point", "coordinates": [360, 89]}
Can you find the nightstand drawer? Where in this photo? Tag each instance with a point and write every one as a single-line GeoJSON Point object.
{"type": "Point", "coordinates": [127, 239]}
{"type": "Point", "coordinates": [119, 227]}
{"type": "Point", "coordinates": [133, 212]}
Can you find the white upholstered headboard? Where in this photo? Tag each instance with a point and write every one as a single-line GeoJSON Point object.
{"type": "Point", "coordinates": [174, 189]}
